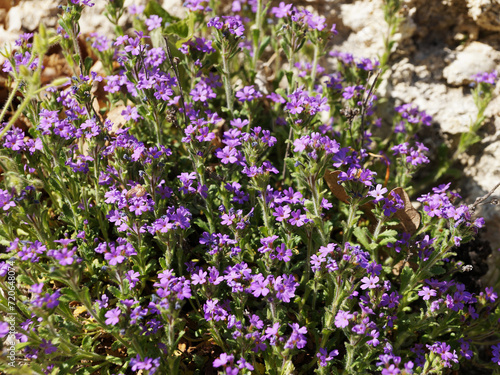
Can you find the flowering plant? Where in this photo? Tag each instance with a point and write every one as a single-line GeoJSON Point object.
{"type": "Point", "coordinates": [201, 195]}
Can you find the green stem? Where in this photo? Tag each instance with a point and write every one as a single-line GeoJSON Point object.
{"type": "Point", "coordinates": [256, 41]}
{"type": "Point", "coordinates": [18, 112]}
{"type": "Point", "coordinates": [316, 203]}
{"type": "Point", "coordinates": [227, 82]}
{"type": "Point", "coordinates": [9, 100]}
{"type": "Point", "coordinates": [353, 207]}
{"type": "Point", "coordinates": [314, 67]}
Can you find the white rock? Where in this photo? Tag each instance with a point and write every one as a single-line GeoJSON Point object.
{"type": "Point", "coordinates": [475, 58]}
{"type": "Point", "coordinates": [28, 16]}
{"type": "Point", "coordinates": [486, 13]}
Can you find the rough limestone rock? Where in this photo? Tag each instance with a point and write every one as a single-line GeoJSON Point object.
{"type": "Point", "coordinates": [25, 17]}
{"type": "Point", "coordinates": [365, 20]}
{"type": "Point", "coordinates": [486, 13]}
{"type": "Point", "coordinates": [475, 58]}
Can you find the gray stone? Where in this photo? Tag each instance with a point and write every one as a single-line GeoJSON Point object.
{"type": "Point", "coordinates": [477, 57]}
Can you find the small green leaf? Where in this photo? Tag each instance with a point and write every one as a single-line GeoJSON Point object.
{"type": "Point", "coordinates": [157, 38]}
{"type": "Point", "coordinates": [114, 360]}
{"type": "Point", "coordinates": [386, 241]}
{"type": "Point", "coordinates": [163, 263]}
{"type": "Point", "coordinates": [202, 224]}
{"type": "Point", "coordinates": [363, 237]}
{"type": "Point", "coordinates": [389, 233]}
{"type": "Point", "coordinates": [87, 343]}
{"type": "Point", "coordinates": [406, 276]}
{"type": "Point", "coordinates": [437, 270]}
{"type": "Point", "coordinates": [87, 64]}
{"type": "Point", "coordinates": [115, 291]}
{"type": "Point", "coordinates": [154, 8]}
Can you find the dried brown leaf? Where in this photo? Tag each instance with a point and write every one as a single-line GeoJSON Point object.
{"type": "Point", "coordinates": [332, 180]}
{"type": "Point", "coordinates": [408, 216]}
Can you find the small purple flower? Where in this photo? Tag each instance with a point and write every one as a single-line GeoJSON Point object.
{"type": "Point", "coordinates": [4, 329]}
{"type": "Point", "coordinates": [113, 316]}
{"type": "Point", "coordinates": [297, 338]}
{"type": "Point", "coordinates": [247, 93]}
{"type": "Point", "coordinates": [496, 354]}
{"type": "Point", "coordinates": [223, 360]}
{"type": "Point", "coordinates": [342, 319]}
{"type": "Point", "coordinates": [378, 193]}
{"type": "Point", "coordinates": [426, 293]}
{"type": "Point", "coordinates": [325, 357]}
{"type": "Point", "coordinates": [130, 113]}
{"type": "Point", "coordinates": [369, 282]}
{"type": "Point", "coordinates": [153, 22]}
{"type": "Point", "coordinates": [282, 212]}
{"type": "Point", "coordinates": [48, 347]}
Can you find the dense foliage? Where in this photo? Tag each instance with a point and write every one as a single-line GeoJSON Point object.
{"type": "Point", "coordinates": [204, 195]}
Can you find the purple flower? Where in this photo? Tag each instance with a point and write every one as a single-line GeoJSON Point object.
{"type": "Point", "coordinates": [4, 329]}
{"type": "Point", "coordinates": [103, 302]}
{"type": "Point", "coordinates": [153, 22]}
{"type": "Point", "coordinates": [342, 319]}
{"type": "Point", "coordinates": [48, 347]}
{"type": "Point", "coordinates": [427, 293]}
{"type": "Point", "coordinates": [149, 364]}
{"type": "Point", "coordinates": [486, 77]}
{"type": "Point", "coordinates": [132, 277]}
{"type": "Point", "coordinates": [199, 278]}
{"type": "Point", "coordinates": [130, 113]}
{"type": "Point", "coordinates": [369, 282]}
{"type": "Point", "coordinates": [282, 212]}
{"type": "Point", "coordinates": [297, 338]}
{"type": "Point", "coordinates": [325, 357]}
{"type": "Point", "coordinates": [113, 316]}
{"type": "Point", "coordinates": [496, 354]}
{"type": "Point", "coordinates": [349, 92]}
{"type": "Point", "coordinates": [247, 94]}
{"type": "Point", "coordinates": [223, 360]}
{"type": "Point", "coordinates": [282, 10]}
{"type": "Point", "coordinates": [374, 341]}
{"type": "Point", "coordinates": [378, 193]}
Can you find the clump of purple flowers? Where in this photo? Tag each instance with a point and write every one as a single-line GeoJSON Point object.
{"type": "Point", "coordinates": [222, 200]}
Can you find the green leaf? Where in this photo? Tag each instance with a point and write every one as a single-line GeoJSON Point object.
{"type": "Point", "coordinates": [386, 241]}
{"type": "Point", "coordinates": [289, 77]}
{"type": "Point", "coordinates": [437, 270]}
{"type": "Point", "coordinates": [389, 233]}
{"type": "Point", "coordinates": [163, 263]}
{"type": "Point", "coordinates": [89, 370]}
{"type": "Point", "coordinates": [88, 64]}
{"type": "Point", "coordinates": [115, 291]}
{"type": "Point", "coordinates": [157, 38]}
{"type": "Point", "coordinates": [309, 205]}
{"type": "Point", "coordinates": [70, 294]}
{"type": "Point", "coordinates": [114, 360]}
{"type": "Point", "coordinates": [202, 224]}
{"type": "Point", "coordinates": [363, 237]}
{"type": "Point", "coordinates": [154, 8]}
{"type": "Point", "coordinates": [87, 343]}
{"type": "Point", "coordinates": [184, 29]}
{"type": "Point", "coordinates": [406, 276]}
{"type": "Point", "coordinates": [67, 211]}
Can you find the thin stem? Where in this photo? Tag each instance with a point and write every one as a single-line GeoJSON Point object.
{"type": "Point", "coordinates": [314, 66]}
{"type": "Point", "coordinates": [227, 82]}
{"type": "Point", "coordinates": [256, 41]}
{"type": "Point", "coordinates": [16, 115]}
{"type": "Point", "coordinates": [9, 100]}
{"type": "Point", "coordinates": [353, 207]}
